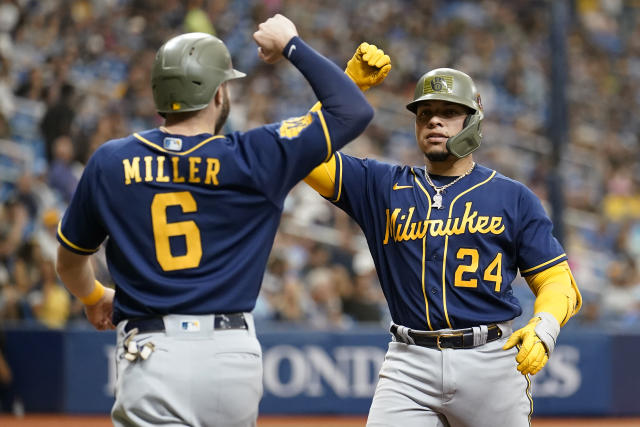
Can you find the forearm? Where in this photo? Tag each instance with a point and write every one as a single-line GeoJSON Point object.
{"type": "Point", "coordinates": [342, 101]}
{"type": "Point", "coordinates": [76, 273]}
{"type": "Point", "coordinates": [557, 299]}
{"type": "Point", "coordinates": [363, 72]}
{"type": "Point", "coordinates": [556, 292]}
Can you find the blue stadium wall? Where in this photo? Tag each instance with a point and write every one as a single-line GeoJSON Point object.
{"type": "Point", "coordinates": [310, 372]}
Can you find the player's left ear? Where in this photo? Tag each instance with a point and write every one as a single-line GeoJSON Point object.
{"type": "Point", "coordinates": [218, 98]}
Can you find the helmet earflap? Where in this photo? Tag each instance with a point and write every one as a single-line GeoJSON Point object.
{"type": "Point", "coordinates": [469, 138]}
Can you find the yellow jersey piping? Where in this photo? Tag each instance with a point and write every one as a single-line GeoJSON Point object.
{"type": "Point", "coordinates": [543, 264]}
{"type": "Point", "coordinates": [68, 242]}
{"type": "Point", "coordinates": [326, 134]}
{"type": "Point", "coordinates": [424, 252]}
{"type": "Point", "coordinates": [339, 178]}
{"type": "Point", "coordinates": [446, 246]}
{"type": "Point", "coordinates": [183, 153]}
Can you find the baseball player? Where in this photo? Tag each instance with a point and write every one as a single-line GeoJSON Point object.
{"type": "Point", "coordinates": [190, 217]}
{"type": "Point", "coordinates": [448, 238]}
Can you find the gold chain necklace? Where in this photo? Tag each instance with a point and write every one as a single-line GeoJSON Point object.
{"type": "Point", "coordinates": [437, 198]}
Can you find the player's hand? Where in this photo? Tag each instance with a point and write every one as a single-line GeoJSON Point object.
{"type": "Point", "coordinates": [272, 36]}
{"type": "Point", "coordinates": [369, 66]}
{"type": "Point", "coordinates": [532, 354]}
{"type": "Point", "coordinates": [100, 313]}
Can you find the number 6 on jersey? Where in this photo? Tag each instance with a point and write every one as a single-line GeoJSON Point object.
{"type": "Point", "coordinates": [162, 231]}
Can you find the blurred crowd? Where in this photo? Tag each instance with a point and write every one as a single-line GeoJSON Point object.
{"type": "Point", "coordinates": [75, 73]}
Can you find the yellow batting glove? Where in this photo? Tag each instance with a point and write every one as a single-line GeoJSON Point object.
{"type": "Point", "coordinates": [369, 66]}
{"type": "Point", "coordinates": [532, 354]}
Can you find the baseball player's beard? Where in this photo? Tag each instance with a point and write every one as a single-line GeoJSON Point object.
{"type": "Point", "coordinates": [439, 156]}
{"type": "Point", "coordinates": [224, 113]}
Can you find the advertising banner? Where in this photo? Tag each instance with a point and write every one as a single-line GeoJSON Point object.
{"type": "Point", "coordinates": [314, 372]}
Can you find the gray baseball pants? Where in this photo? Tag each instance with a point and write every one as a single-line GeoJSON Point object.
{"type": "Point", "coordinates": [428, 387]}
{"type": "Point", "coordinates": [196, 376]}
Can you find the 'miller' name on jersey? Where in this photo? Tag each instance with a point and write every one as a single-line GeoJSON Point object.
{"type": "Point", "coordinates": [400, 227]}
{"type": "Point", "coordinates": [199, 170]}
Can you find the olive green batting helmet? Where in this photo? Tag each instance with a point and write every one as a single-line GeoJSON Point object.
{"type": "Point", "coordinates": [188, 70]}
{"type": "Point", "coordinates": [447, 84]}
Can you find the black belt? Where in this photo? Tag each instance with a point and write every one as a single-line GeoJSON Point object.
{"type": "Point", "coordinates": [156, 324]}
{"type": "Point", "coordinates": [460, 338]}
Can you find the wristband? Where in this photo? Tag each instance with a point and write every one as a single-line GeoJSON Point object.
{"type": "Point", "coordinates": [547, 329]}
{"type": "Point", "coordinates": [94, 296]}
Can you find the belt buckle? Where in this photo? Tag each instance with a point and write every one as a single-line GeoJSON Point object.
{"type": "Point", "coordinates": [444, 335]}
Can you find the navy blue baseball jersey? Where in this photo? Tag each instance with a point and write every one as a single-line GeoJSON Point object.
{"type": "Point", "coordinates": [190, 219]}
{"type": "Point", "coordinates": [450, 267]}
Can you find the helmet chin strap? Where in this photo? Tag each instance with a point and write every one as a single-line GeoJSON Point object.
{"type": "Point", "coordinates": [469, 138]}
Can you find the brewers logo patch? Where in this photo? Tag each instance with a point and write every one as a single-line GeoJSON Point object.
{"type": "Point", "coordinates": [291, 128]}
{"type": "Point", "coordinates": [438, 84]}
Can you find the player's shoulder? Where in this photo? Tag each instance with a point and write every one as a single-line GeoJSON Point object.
{"type": "Point", "coordinates": [505, 185]}
{"type": "Point", "coordinates": [259, 136]}
{"type": "Point", "coordinates": [498, 178]}
{"type": "Point", "coordinates": [370, 162]}
{"type": "Point", "coordinates": [236, 137]}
